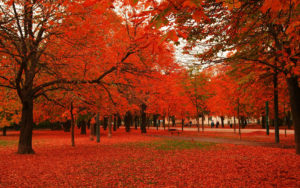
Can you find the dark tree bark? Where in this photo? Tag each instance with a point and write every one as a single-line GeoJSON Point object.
{"type": "Point", "coordinates": [105, 122]}
{"type": "Point", "coordinates": [119, 121]}
{"type": "Point", "coordinates": [276, 126]}
{"type": "Point", "coordinates": [164, 122]}
{"type": "Point", "coordinates": [222, 121]}
{"type": "Point", "coordinates": [182, 124]}
{"type": "Point", "coordinates": [143, 118]}
{"type": "Point", "coordinates": [234, 126]}
{"type": "Point", "coordinates": [239, 118]}
{"type": "Point", "coordinates": [98, 128]}
{"type": "Point", "coordinates": [72, 125]}
{"type": "Point", "coordinates": [263, 119]}
{"type": "Point", "coordinates": [136, 122]}
{"type": "Point", "coordinates": [4, 130]}
{"type": "Point", "coordinates": [127, 121]}
{"type": "Point", "coordinates": [25, 139]}
{"type": "Point", "coordinates": [115, 122]}
{"type": "Point", "coordinates": [89, 123]}
{"type": "Point", "coordinates": [294, 93]}
{"type": "Point", "coordinates": [173, 121]}
{"type": "Point", "coordinates": [109, 126]}
{"type": "Point", "coordinates": [83, 127]}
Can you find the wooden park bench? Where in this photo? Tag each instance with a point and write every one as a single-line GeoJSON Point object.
{"type": "Point", "coordinates": [174, 131]}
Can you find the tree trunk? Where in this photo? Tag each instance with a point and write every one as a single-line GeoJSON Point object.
{"type": "Point", "coordinates": [4, 130]}
{"type": "Point", "coordinates": [127, 121]}
{"type": "Point", "coordinates": [83, 127]}
{"type": "Point", "coordinates": [109, 126]}
{"type": "Point", "coordinates": [182, 124]}
{"type": "Point", "coordinates": [173, 121]}
{"type": "Point", "coordinates": [294, 93]}
{"type": "Point", "coordinates": [164, 123]}
{"type": "Point", "coordinates": [88, 124]}
{"type": "Point", "coordinates": [25, 139]}
{"type": "Point", "coordinates": [72, 126]}
{"type": "Point", "coordinates": [105, 122]}
{"type": "Point", "coordinates": [276, 126]}
{"type": "Point", "coordinates": [234, 126]}
{"type": "Point", "coordinates": [98, 127]}
{"type": "Point", "coordinates": [222, 121]}
{"type": "Point", "coordinates": [136, 122]}
{"type": "Point", "coordinates": [239, 118]}
{"type": "Point", "coordinates": [115, 122]}
{"type": "Point", "coordinates": [119, 121]}
{"type": "Point", "coordinates": [144, 118]}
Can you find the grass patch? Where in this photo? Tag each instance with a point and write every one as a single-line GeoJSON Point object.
{"type": "Point", "coordinates": [7, 142]}
{"type": "Point", "coordinates": [172, 144]}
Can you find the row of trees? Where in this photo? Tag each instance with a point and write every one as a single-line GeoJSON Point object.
{"type": "Point", "coordinates": [65, 58]}
{"type": "Point", "coordinates": [262, 34]}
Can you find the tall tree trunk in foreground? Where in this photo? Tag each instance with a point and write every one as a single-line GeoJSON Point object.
{"type": "Point", "coordinates": [294, 93]}
{"type": "Point", "coordinates": [25, 139]}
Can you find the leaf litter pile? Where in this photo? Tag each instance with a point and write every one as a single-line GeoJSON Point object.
{"type": "Point", "coordinates": [135, 160]}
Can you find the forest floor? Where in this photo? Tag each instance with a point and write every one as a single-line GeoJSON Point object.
{"type": "Point", "coordinates": [155, 159]}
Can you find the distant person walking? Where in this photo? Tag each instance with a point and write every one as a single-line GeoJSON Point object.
{"type": "Point", "coordinates": [217, 124]}
{"type": "Point", "coordinates": [212, 124]}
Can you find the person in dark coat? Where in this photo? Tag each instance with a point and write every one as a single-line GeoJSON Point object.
{"type": "Point", "coordinates": [212, 124]}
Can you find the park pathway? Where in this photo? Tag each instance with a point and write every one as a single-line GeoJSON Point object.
{"type": "Point", "coordinates": [227, 130]}
{"type": "Point", "coordinates": [226, 141]}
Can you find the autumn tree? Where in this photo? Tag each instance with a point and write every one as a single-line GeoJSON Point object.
{"type": "Point", "coordinates": [33, 34]}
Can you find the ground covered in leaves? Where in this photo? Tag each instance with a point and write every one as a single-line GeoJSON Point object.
{"type": "Point", "coordinates": [135, 160]}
